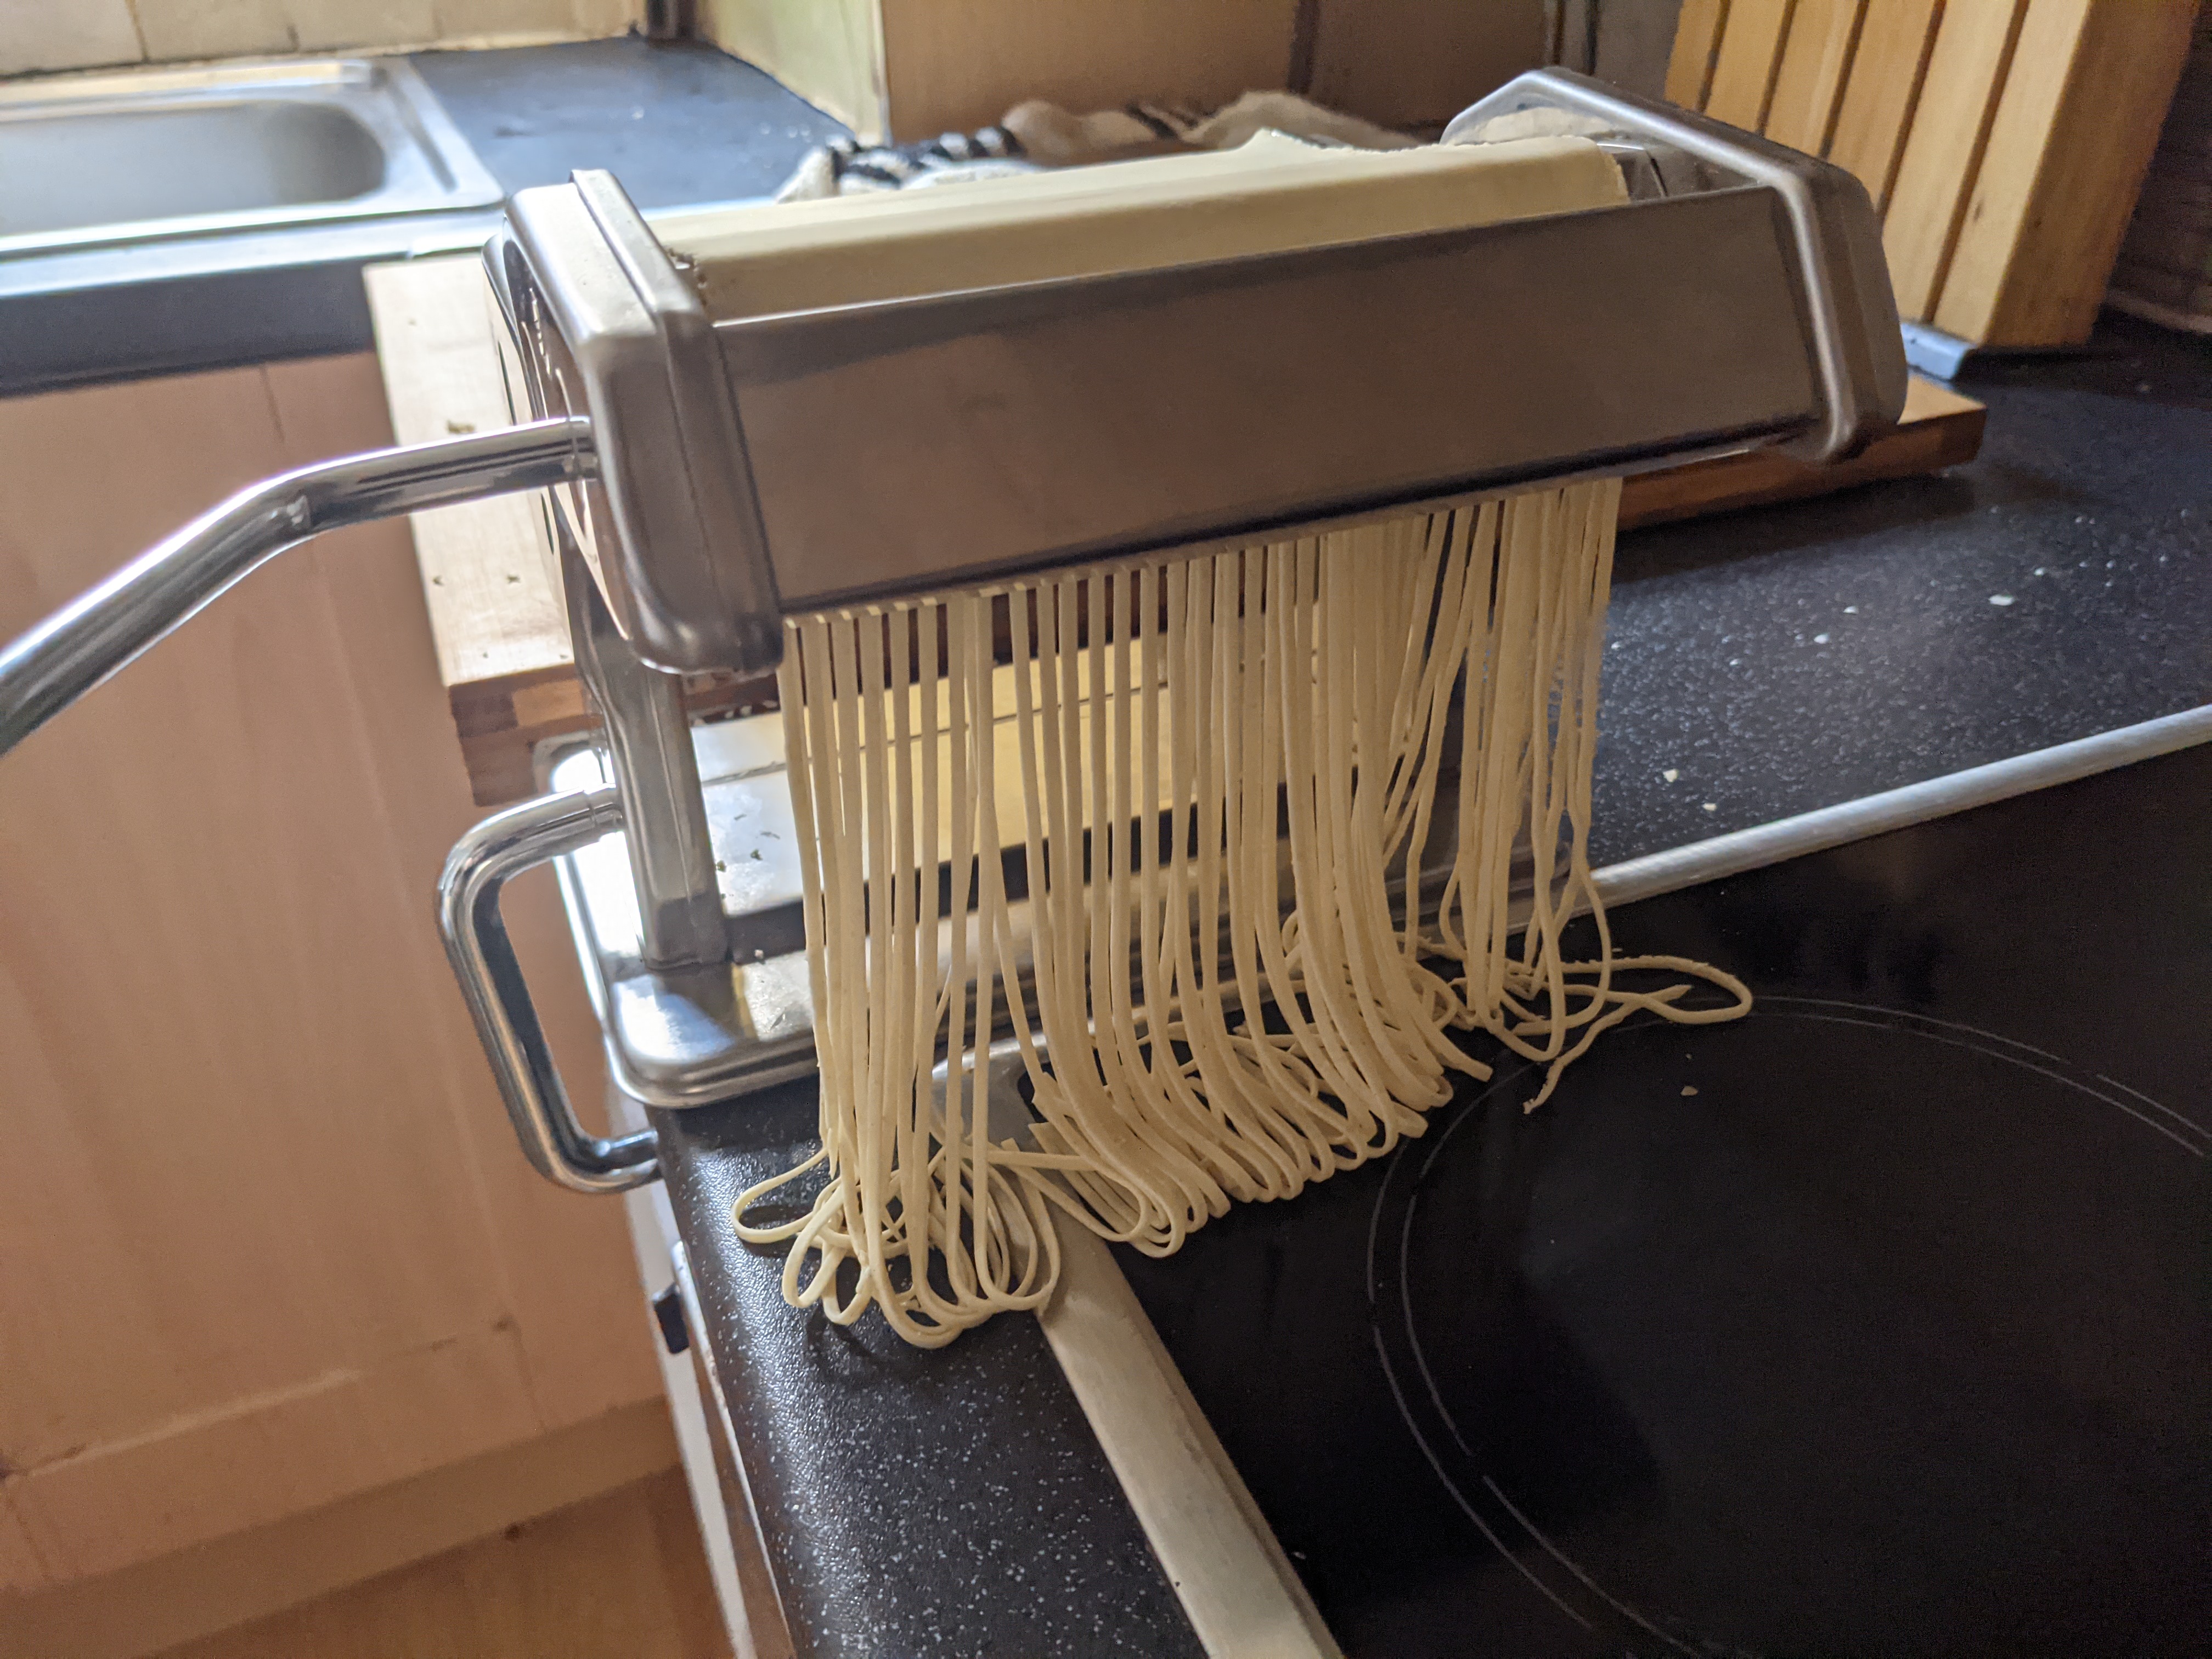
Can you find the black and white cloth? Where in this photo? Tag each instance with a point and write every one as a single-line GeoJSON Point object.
{"type": "Point", "coordinates": [1037, 136]}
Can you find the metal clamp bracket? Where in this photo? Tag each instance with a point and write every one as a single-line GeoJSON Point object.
{"type": "Point", "coordinates": [1850, 314]}
{"type": "Point", "coordinates": [482, 863]}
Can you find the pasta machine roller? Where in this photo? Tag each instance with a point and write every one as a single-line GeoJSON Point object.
{"type": "Point", "coordinates": [708, 476]}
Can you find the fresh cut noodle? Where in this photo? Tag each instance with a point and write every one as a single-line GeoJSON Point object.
{"type": "Point", "coordinates": [1226, 848]}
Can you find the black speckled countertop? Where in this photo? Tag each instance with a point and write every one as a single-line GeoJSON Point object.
{"type": "Point", "coordinates": [1773, 661]}
{"type": "Point", "coordinates": [2059, 586]}
{"type": "Point", "coordinates": [949, 1501]}
{"type": "Point", "coordinates": [680, 124]}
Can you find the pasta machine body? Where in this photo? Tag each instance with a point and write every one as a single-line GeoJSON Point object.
{"type": "Point", "coordinates": [1737, 298]}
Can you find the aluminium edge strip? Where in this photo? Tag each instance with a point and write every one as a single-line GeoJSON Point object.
{"type": "Point", "coordinates": [1238, 1589]}
{"type": "Point", "coordinates": [1742, 850]}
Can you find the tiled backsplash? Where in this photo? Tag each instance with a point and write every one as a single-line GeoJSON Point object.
{"type": "Point", "coordinates": [53, 34]}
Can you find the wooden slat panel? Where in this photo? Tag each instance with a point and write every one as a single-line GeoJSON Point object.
{"type": "Point", "coordinates": [1958, 102]}
{"type": "Point", "coordinates": [2074, 133]}
{"type": "Point", "coordinates": [1895, 39]}
{"type": "Point", "coordinates": [620, 1574]}
{"type": "Point", "coordinates": [1816, 64]}
{"type": "Point", "coordinates": [1750, 54]}
{"type": "Point", "coordinates": [1697, 50]}
{"type": "Point", "coordinates": [249, 1574]}
{"type": "Point", "coordinates": [559, 1257]}
{"type": "Point", "coordinates": [269, 1154]}
{"type": "Point", "coordinates": [343, 1433]}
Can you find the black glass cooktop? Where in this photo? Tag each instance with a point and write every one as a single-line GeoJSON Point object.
{"type": "Point", "coordinates": [1877, 1322]}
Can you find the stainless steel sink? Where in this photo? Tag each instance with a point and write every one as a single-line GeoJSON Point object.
{"type": "Point", "coordinates": [104, 160]}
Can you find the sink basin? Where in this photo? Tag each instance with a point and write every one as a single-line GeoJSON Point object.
{"type": "Point", "coordinates": [104, 160]}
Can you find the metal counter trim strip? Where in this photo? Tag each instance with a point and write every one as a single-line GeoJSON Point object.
{"type": "Point", "coordinates": [1897, 809]}
{"type": "Point", "coordinates": [1237, 1588]}
{"type": "Point", "coordinates": [767, 1626]}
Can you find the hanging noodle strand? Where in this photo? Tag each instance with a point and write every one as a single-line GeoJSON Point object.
{"type": "Point", "coordinates": [1291, 821]}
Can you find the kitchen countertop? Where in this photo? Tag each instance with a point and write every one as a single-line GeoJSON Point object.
{"type": "Point", "coordinates": [681, 124]}
{"type": "Point", "coordinates": [912, 1502]}
{"type": "Point", "coordinates": [2058, 586]}
{"type": "Point", "coordinates": [1776, 661]}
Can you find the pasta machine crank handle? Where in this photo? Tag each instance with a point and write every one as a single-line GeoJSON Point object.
{"type": "Point", "coordinates": [482, 863]}
{"type": "Point", "coordinates": [104, 629]}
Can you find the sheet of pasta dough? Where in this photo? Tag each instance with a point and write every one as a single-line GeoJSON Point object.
{"type": "Point", "coordinates": [1270, 195]}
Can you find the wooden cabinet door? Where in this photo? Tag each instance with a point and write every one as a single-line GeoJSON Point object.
{"type": "Point", "coordinates": [266, 1241]}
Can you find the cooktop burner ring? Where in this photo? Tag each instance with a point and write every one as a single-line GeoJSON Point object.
{"type": "Point", "coordinates": [1455, 1457]}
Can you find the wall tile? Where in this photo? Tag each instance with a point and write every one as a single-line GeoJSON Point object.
{"type": "Point", "coordinates": [53, 34]}
{"type": "Point", "coordinates": [598, 18]}
{"type": "Point", "coordinates": [56, 34]}
{"type": "Point", "coordinates": [213, 28]}
{"type": "Point", "coordinates": [332, 25]}
{"type": "Point", "coordinates": [462, 20]}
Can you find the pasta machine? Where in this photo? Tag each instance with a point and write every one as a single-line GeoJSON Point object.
{"type": "Point", "coordinates": [708, 476]}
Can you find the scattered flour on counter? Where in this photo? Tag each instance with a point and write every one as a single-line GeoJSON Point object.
{"type": "Point", "coordinates": [1999, 599]}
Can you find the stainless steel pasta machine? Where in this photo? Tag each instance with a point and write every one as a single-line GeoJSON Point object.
{"type": "Point", "coordinates": [1737, 298]}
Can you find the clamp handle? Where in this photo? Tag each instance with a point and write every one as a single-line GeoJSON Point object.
{"type": "Point", "coordinates": [482, 863]}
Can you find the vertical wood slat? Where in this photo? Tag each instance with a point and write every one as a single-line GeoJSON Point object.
{"type": "Point", "coordinates": [1895, 39]}
{"type": "Point", "coordinates": [1698, 34]}
{"type": "Point", "coordinates": [1816, 64]}
{"type": "Point", "coordinates": [2072, 138]}
{"type": "Point", "coordinates": [1750, 54]}
{"type": "Point", "coordinates": [1950, 129]}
